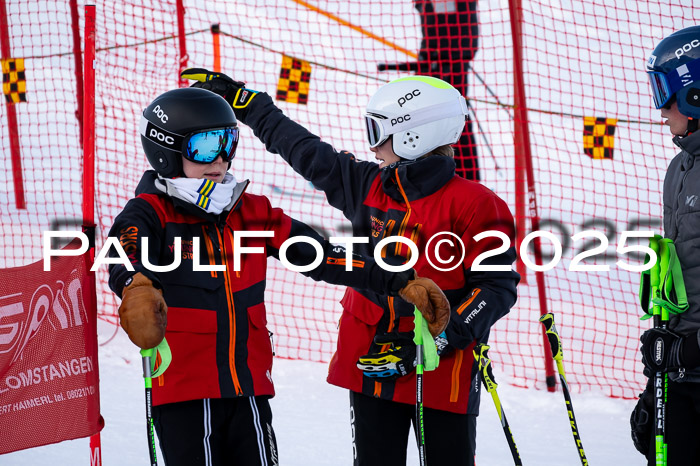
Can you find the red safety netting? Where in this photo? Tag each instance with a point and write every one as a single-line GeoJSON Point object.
{"type": "Point", "coordinates": [582, 73]}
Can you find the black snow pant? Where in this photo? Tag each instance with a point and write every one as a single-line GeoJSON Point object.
{"type": "Point", "coordinates": [380, 430]}
{"type": "Point", "coordinates": [682, 425]}
{"type": "Point", "coordinates": [211, 432]}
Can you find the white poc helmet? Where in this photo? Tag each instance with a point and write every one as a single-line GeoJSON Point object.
{"type": "Point", "coordinates": [421, 112]}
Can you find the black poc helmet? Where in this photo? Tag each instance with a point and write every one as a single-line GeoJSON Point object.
{"type": "Point", "coordinates": [674, 70]}
{"type": "Point", "coordinates": [171, 117]}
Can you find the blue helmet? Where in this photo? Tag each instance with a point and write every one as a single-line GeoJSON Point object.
{"type": "Point", "coordinates": [674, 70]}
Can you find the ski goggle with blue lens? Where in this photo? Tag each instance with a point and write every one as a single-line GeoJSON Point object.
{"type": "Point", "coordinates": [206, 146]}
{"type": "Point", "coordinates": [198, 146]}
{"type": "Point", "coordinates": [665, 85]}
{"type": "Point", "coordinates": [660, 88]}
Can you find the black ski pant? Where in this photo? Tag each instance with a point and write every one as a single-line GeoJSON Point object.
{"type": "Point", "coordinates": [682, 425]}
{"type": "Point", "coordinates": [218, 431]}
{"type": "Point", "coordinates": [380, 433]}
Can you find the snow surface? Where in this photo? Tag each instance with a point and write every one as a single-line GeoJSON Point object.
{"type": "Point", "coordinates": [311, 421]}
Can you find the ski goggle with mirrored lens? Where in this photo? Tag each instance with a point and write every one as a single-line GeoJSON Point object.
{"type": "Point", "coordinates": [665, 85]}
{"type": "Point", "coordinates": [207, 146]}
{"type": "Point", "coordinates": [380, 127]}
{"type": "Point", "coordinates": [198, 146]}
{"type": "Point", "coordinates": [660, 89]}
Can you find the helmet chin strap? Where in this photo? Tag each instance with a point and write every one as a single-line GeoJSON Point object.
{"type": "Point", "coordinates": [692, 126]}
{"type": "Point", "coordinates": [399, 163]}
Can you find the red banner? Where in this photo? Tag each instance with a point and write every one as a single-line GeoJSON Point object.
{"type": "Point", "coordinates": [49, 378]}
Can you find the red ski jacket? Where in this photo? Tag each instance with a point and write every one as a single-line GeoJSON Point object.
{"type": "Point", "coordinates": [416, 200]}
{"type": "Point", "coordinates": [216, 327]}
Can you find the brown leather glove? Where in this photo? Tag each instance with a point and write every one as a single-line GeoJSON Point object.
{"type": "Point", "coordinates": [143, 312]}
{"type": "Point", "coordinates": [431, 302]}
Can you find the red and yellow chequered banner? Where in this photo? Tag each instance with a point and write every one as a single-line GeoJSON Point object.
{"type": "Point", "coordinates": [599, 137]}
{"type": "Point", "coordinates": [293, 85]}
{"type": "Point", "coordinates": [14, 84]}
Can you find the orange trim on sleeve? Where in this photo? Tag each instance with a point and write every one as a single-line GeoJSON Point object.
{"type": "Point", "coordinates": [355, 262]}
{"type": "Point", "coordinates": [475, 293]}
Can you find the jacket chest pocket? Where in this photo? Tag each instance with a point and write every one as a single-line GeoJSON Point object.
{"type": "Point", "coordinates": [183, 286]}
{"type": "Point", "coordinates": [188, 245]}
{"type": "Point", "coordinates": [259, 333]}
{"type": "Point", "coordinates": [196, 290]}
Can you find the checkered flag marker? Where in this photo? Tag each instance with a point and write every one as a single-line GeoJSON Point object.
{"type": "Point", "coordinates": [293, 85]}
{"type": "Point", "coordinates": [599, 137]}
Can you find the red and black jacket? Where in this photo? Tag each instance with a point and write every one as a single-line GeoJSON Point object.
{"type": "Point", "coordinates": [216, 319]}
{"type": "Point", "coordinates": [415, 200]}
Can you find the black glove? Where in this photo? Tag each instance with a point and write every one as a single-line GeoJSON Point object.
{"type": "Point", "coordinates": [664, 350]}
{"type": "Point", "coordinates": [397, 360]}
{"type": "Point", "coordinates": [234, 92]}
{"type": "Point", "coordinates": [641, 421]}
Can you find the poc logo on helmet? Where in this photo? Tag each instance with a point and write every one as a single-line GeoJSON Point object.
{"type": "Point", "coordinates": [407, 97]}
{"type": "Point", "coordinates": [154, 134]}
{"type": "Point", "coordinates": [687, 48]}
{"type": "Point", "coordinates": [400, 119]}
{"type": "Point", "coordinates": [161, 114]}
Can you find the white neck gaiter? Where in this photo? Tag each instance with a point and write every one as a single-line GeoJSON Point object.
{"type": "Point", "coordinates": [207, 195]}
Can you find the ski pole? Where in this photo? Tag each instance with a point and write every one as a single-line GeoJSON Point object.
{"type": "Point", "coordinates": [426, 360]}
{"type": "Point", "coordinates": [487, 378]}
{"type": "Point", "coordinates": [148, 360]}
{"type": "Point", "coordinates": [146, 356]}
{"type": "Point", "coordinates": [420, 426]}
{"type": "Point", "coordinates": [660, 315]}
{"type": "Point", "coordinates": [555, 342]}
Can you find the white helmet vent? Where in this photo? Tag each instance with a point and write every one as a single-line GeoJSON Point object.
{"type": "Point", "coordinates": [411, 139]}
